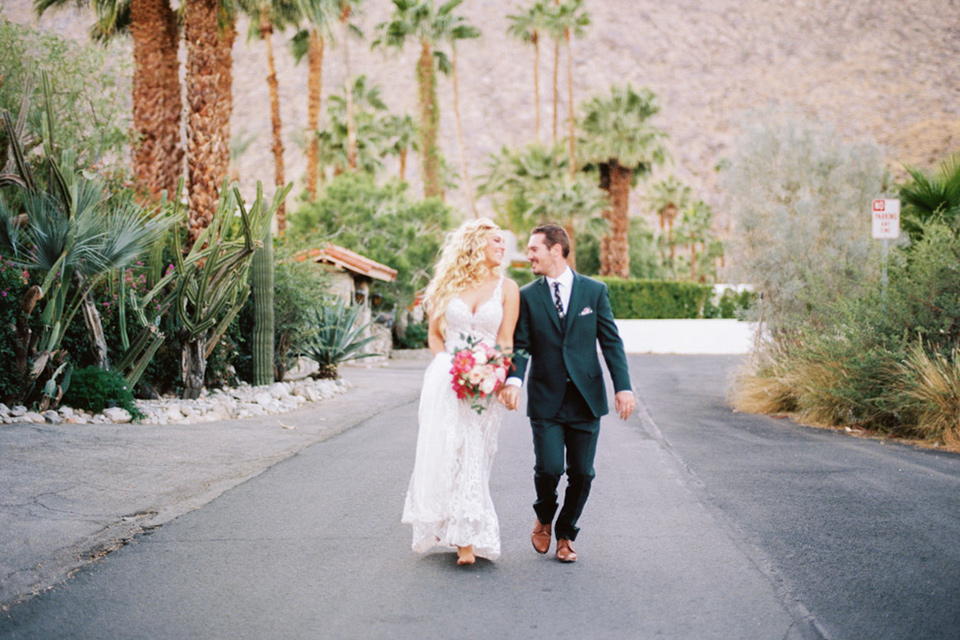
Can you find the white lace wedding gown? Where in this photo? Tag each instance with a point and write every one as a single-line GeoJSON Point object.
{"type": "Point", "coordinates": [448, 500]}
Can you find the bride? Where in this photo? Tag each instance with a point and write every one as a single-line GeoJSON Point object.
{"type": "Point", "coordinates": [448, 500]}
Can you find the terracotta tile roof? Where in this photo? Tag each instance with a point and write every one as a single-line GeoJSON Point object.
{"type": "Point", "coordinates": [345, 259]}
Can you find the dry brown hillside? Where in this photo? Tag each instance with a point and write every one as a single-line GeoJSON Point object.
{"type": "Point", "coordinates": [881, 68]}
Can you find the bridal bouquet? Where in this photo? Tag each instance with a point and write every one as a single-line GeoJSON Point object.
{"type": "Point", "coordinates": [479, 371]}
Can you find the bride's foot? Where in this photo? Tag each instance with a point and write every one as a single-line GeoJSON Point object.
{"type": "Point", "coordinates": [465, 555]}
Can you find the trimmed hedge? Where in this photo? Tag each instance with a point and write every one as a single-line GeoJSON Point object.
{"type": "Point", "coordinates": [670, 299]}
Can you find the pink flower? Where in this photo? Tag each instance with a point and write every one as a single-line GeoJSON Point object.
{"type": "Point", "coordinates": [463, 361]}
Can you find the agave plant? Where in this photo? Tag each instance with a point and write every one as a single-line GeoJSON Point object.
{"type": "Point", "coordinates": [336, 338]}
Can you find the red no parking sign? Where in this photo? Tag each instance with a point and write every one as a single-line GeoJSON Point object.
{"type": "Point", "coordinates": [886, 219]}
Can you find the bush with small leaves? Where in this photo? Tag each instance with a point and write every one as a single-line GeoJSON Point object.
{"type": "Point", "coordinates": [94, 390]}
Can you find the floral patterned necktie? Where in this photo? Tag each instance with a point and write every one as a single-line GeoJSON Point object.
{"type": "Point", "coordinates": [557, 302]}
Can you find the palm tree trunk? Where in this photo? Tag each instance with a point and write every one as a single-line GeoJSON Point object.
{"type": "Point", "coordinates": [209, 83]}
{"type": "Point", "coordinates": [571, 119]}
{"type": "Point", "coordinates": [266, 32]}
{"type": "Point", "coordinates": [158, 154]}
{"type": "Point", "coordinates": [314, 87]}
{"type": "Point", "coordinates": [670, 242]}
{"type": "Point", "coordinates": [403, 164]}
{"type": "Point", "coordinates": [572, 233]}
{"type": "Point", "coordinates": [429, 122]}
{"type": "Point", "coordinates": [615, 245]}
{"type": "Point", "coordinates": [556, 87]}
{"type": "Point", "coordinates": [693, 258]}
{"type": "Point", "coordinates": [463, 147]}
{"type": "Point", "coordinates": [536, 78]}
{"type": "Point", "coordinates": [351, 118]}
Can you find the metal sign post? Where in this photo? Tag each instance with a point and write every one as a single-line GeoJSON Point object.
{"type": "Point", "coordinates": [886, 226]}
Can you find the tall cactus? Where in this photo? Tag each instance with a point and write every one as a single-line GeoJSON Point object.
{"type": "Point", "coordinates": [263, 326]}
{"type": "Point", "coordinates": [212, 279]}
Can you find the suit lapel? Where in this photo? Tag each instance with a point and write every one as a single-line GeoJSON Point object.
{"type": "Point", "coordinates": [574, 305]}
{"type": "Point", "coordinates": [547, 302]}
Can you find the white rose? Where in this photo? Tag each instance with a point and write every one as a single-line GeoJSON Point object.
{"type": "Point", "coordinates": [488, 385]}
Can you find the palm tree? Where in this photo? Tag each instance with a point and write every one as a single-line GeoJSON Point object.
{"type": "Point", "coordinates": [533, 185]}
{"type": "Point", "coordinates": [527, 27]}
{"type": "Point", "coordinates": [310, 42]}
{"type": "Point", "coordinates": [573, 202]}
{"type": "Point", "coordinates": [420, 21]}
{"type": "Point", "coordinates": [570, 19]}
{"type": "Point", "coordinates": [695, 222]}
{"type": "Point", "coordinates": [156, 91]}
{"type": "Point", "coordinates": [459, 29]}
{"type": "Point", "coordinates": [516, 176]}
{"type": "Point", "coordinates": [209, 32]}
{"type": "Point", "coordinates": [367, 142]}
{"type": "Point", "coordinates": [346, 11]}
{"type": "Point", "coordinates": [930, 195]}
{"type": "Point", "coordinates": [402, 130]}
{"type": "Point", "coordinates": [668, 197]}
{"type": "Point", "coordinates": [267, 15]}
{"type": "Point", "coordinates": [619, 140]}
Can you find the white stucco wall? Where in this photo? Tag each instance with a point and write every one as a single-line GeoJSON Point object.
{"type": "Point", "coordinates": [687, 336]}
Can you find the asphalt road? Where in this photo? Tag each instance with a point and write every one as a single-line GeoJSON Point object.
{"type": "Point", "coordinates": [702, 524]}
{"type": "Point", "coordinates": [864, 534]}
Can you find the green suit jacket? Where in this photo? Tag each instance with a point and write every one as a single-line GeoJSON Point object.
{"type": "Point", "coordinates": [554, 352]}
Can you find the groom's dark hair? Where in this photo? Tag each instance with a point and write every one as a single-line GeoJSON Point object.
{"type": "Point", "coordinates": [554, 234]}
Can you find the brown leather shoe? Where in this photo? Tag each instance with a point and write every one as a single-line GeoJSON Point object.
{"type": "Point", "coordinates": [565, 552]}
{"type": "Point", "coordinates": [541, 537]}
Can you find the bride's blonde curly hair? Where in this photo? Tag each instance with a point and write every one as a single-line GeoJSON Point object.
{"type": "Point", "coordinates": [462, 265]}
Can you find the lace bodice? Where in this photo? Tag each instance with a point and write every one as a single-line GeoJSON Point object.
{"type": "Point", "coordinates": [484, 324]}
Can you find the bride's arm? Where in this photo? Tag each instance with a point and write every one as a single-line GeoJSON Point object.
{"type": "Point", "coordinates": [434, 336]}
{"type": "Point", "coordinates": [511, 311]}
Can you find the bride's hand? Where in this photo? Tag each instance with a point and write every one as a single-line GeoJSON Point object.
{"type": "Point", "coordinates": [509, 397]}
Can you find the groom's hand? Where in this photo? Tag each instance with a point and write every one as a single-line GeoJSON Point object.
{"type": "Point", "coordinates": [624, 403]}
{"type": "Point", "coordinates": [509, 396]}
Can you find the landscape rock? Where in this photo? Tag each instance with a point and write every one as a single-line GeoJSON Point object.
{"type": "Point", "coordinates": [242, 401]}
{"type": "Point", "coordinates": [302, 368]}
{"type": "Point", "coordinates": [117, 415]}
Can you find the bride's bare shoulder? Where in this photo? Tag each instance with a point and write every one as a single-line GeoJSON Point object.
{"type": "Point", "coordinates": [510, 288]}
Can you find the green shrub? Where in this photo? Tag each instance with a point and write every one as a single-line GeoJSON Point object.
{"type": "Point", "coordinates": [14, 282]}
{"type": "Point", "coordinates": [91, 102]}
{"type": "Point", "coordinates": [799, 195]}
{"type": "Point", "coordinates": [94, 390]}
{"type": "Point", "coordinates": [882, 362]}
{"type": "Point", "coordinates": [415, 337]}
{"type": "Point", "coordinates": [658, 299]}
{"type": "Point", "coordinates": [733, 304]}
{"type": "Point", "coordinates": [381, 222]}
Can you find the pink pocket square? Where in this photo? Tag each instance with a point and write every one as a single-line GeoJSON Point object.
{"type": "Point", "coordinates": [586, 311]}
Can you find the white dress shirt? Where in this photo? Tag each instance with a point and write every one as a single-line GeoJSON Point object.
{"type": "Point", "coordinates": [566, 286]}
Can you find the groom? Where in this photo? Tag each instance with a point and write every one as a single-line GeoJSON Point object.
{"type": "Point", "coordinates": [562, 317]}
